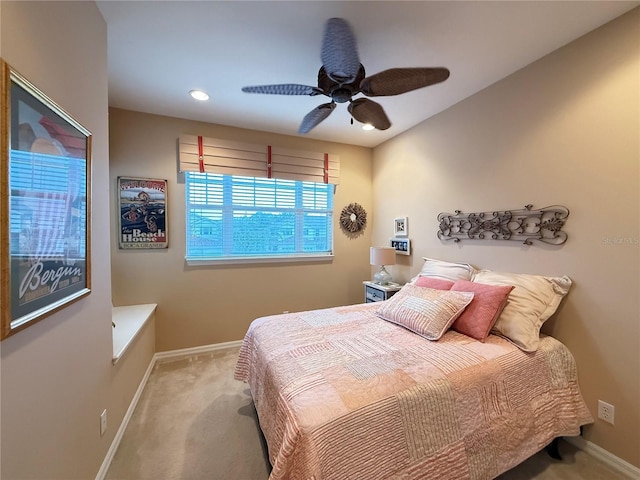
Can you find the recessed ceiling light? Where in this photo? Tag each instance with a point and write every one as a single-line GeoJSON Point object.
{"type": "Point", "coordinates": [368, 126]}
{"type": "Point", "coordinates": [199, 95]}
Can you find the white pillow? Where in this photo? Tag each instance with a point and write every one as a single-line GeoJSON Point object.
{"type": "Point", "coordinates": [445, 270]}
{"type": "Point", "coordinates": [533, 300]}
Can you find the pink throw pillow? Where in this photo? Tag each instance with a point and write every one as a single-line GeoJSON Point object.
{"type": "Point", "coordinates": [425, 311]}
{"type": "Point", "coordinates": [435, 283]}
{"type": "Point", "coordinates": [483, 311]}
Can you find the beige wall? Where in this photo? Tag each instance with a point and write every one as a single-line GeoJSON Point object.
{"type": "Point", "coordinates": [57, 375]}
{"type": "Point", "coordinates": [564, 130]}
{"type": "Point", "coordinates": [212, 304]}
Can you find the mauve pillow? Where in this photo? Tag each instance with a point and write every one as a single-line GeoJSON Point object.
{"type": "Point", "coordinates": [481, 314]}
{"type": "Point", "coordinates": [431, 282]}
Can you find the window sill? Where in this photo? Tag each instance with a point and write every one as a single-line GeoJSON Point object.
{"type": "Point", "coordinates": [129, 321]}
{"type": "Point", "coordinates": [248, 260]}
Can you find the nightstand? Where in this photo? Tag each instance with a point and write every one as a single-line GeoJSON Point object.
{"type": "Point", "coordinates": [377, 293]}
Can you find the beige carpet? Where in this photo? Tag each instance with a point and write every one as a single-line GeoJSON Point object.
{"type": "Point", "coordinates": [195, 422]}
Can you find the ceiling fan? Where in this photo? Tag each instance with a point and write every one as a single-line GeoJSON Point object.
{"type": "Point", "coordinates": [342, 76]}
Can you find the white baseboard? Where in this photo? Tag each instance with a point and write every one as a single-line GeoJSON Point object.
{"type": "Point", "coordinates": [136, 397]}
{"type": "Point", "coordinates": [197, 350]}
{"type": "Point", "coordinates": [605, 456]}
{"type": "Point", "coordinates": [125, 421]}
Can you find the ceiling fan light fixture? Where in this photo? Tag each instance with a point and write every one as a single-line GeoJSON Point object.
{"type": "Point", "coordinates": [368, 126]}
{"type": "Point", "coordinates": [199, 95]}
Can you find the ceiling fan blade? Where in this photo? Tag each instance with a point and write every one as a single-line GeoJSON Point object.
{"type": "Point", "coordinates": [283, 89]}
{"type": "Point", "coordinates": [315, 116]}
{"type": "Point", "coordinates": [400, 80]}
{"type": "Point", "coordinates": [368, 111]}
{"type": "Point", "coordinates": [339, 53]}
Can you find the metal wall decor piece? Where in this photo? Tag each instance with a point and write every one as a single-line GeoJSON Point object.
{"type": "Point", "coordinates": [526, 225]}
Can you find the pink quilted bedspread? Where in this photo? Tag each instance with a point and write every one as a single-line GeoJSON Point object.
{"type": "Point", "coordinates": [342, 394]}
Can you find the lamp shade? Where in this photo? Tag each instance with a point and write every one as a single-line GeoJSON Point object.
{"type": "Point", "coordinates": [382, 256]}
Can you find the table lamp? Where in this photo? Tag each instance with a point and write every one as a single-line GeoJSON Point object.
{"type": "Point", "coordinates": [382, 256]}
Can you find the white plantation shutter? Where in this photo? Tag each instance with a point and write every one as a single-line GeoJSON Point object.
{"type": "Point", "coordinates": [247, 159]}
{"type": "Point", "coordinates": [249, 202]}
{"type": "Point", "coordinates": [234, 217]}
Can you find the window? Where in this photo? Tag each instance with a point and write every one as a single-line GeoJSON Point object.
{"type": "Point", "coordinates": [231, 217]}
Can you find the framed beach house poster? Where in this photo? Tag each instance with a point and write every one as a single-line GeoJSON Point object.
{"type": "Point", "coordinates": [142, 213]}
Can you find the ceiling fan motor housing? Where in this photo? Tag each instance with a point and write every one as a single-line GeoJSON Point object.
{"type": "Point", "coordinates": [341, 95]}
{"type": "Point", "coordinates": [340, 92]}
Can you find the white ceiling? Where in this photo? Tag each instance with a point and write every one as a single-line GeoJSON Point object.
{"type": "Point", "coordinates": [158, 51]}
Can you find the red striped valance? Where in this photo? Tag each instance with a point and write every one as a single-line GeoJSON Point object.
{"type": "Point", "coordinates": [238, 158]}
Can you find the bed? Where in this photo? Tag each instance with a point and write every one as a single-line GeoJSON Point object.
{"type": "Point", "coordinates": [348, 393]}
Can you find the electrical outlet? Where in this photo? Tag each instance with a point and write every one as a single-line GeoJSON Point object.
{"type": "Point", "coordinates": [103, 422]}
{"type": "Point", "coordinates": [606, 411]}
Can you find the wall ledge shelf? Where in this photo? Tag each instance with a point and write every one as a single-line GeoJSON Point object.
{"type": "Point", "coordinates": [129, 321]}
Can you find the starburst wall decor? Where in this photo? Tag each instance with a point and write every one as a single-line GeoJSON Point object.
{"type": "Point", "coordinates": [353, 218]}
